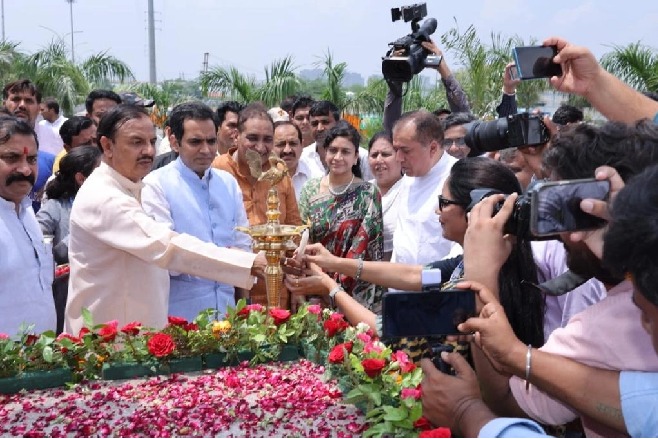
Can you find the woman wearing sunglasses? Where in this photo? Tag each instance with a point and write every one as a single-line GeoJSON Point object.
{"type": "Point", "coordinates": [525, 306]}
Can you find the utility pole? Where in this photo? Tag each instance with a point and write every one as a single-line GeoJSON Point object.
{"type": "Point", "coordinates": [205, 61]}
{"type": "Point", "coordinates": [3, 20]}
{"type": "Point", "coordinates": [70, 2]}
{"type": "Point", "coordinates": [151, 27]}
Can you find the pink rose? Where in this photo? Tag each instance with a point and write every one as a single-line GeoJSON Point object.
{"type": "Point", "coordinates": [410, 393]}
{"type": "Point", "coordinates": [315, 309]}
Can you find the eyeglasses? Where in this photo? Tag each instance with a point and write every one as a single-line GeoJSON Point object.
{"type": "Point", "coordinates": [445, 202]}
{"type": "Point", "coordinates": [458, 141]}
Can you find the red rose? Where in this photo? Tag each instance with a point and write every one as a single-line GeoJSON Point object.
{"type": "Point", "coordinates": [244, 312]}
{"type": "Point", "coordinates": [191, 327]}
{"type": "Point", "coordinates": [422, 424]}
{"type": "Point", "coordinates": [160, 345]}
{"type": "Point", "coordinates": [373, 366]}
{"type": "Point", "coordinates": [31, 339]}
{"type": "Point", "coordinates": [176, 321]}
{"type": "Point", "coordinates": [437, 432]}
{"type": "Point", "coordinates": [334, 326]}
{"type": "Point", "coordinates": [132, 328]}
{"type": "Point", "coordinates": [109, 331]}
{"type": "Point", "coordinates": [337, 354]}
{"type": "Point", "coordinates": [280, 316]}
{"type": "Point", "coordinates": [64, 335]}
{"type": "Point", "coordinates": [83, 331]}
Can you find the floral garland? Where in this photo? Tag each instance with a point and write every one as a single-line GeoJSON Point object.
{"type": "Point", "coordinates": [384, 385]}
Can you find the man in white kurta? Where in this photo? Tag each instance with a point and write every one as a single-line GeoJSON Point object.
{"type": "Point", "coordinates": [418, 237]}
{"type": "Point", "coordinates": [119, 255]}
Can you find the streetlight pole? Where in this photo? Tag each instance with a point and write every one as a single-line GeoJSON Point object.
{"type": "Point", "coordinates": [151, 28]}
{"type": "Point", "coordinates": [70, 2]}
{"type": "Point", "coordinates": [3, 20]}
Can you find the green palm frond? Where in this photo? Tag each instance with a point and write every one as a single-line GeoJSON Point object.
{"type": "Point", "coordinates": [100, 69]}
{"type": "Point", "coordinates": [280, 82]}
{"type": "Point", "coordinates": [635, 64]}
{"type": "Point", "coordinates": [229, 81]}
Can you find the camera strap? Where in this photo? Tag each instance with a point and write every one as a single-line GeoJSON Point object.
{"type": "Point", "coordinates": [560, 285]}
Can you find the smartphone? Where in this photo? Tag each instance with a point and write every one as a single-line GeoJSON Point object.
{"type": "Point", "coordinates": [555, 206]}
{"type": "Point", "coordinates": [426, 314]}
{"type": "Point", "coordinates": [513, 73]}
{"type": "Point", "coordinates": [536, 62]}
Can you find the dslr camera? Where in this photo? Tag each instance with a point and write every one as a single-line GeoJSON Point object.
{"type": "Point", "coordinates": [518, 223]}
{"type": "Point", "coordinates": [513, 131]}
{"type": "Point", "coordinates": [414, 57]}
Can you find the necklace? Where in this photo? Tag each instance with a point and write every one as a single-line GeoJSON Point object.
{"type": "Point", "coordinates": [337, 193]}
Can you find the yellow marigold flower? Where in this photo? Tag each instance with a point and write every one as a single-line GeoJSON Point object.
{"type": "Point", "coordinates": [221, 327]}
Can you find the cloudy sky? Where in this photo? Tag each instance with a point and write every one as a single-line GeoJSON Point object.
{"type": "Point", "coordinates": [251, 33]}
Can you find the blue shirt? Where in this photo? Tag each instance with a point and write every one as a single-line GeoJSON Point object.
{"type": "Point", "coordinates": [45, 161]}
{"type": "Point", "coordinates": [208, 208]}
{"type": "Point", "coordinates": [26, 270]}
{"type": "Point", "coordinates": [512, 427]}
{"type": "Point", "coordinates": [639, 402]}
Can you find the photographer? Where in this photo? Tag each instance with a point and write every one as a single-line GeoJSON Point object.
{"type": "Point", "coordinates": [457, 99]}
{"type": "Point", "coordinates": [466, 175]}
{"type": "Point", "coordinates": [589, 337]}
{"type": "Point", "coordinates": [624, 401]}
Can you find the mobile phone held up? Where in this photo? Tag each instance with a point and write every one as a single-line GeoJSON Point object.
{"type": "Point", "coordinates": [534, 62]}
{"type": "Point", "coordinates": [426, 314]}
{"type": "Point", "coordinates": [556, 206]}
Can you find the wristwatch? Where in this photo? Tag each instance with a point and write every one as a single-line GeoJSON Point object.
{"type": "Point", "coordinates": [332, 296]}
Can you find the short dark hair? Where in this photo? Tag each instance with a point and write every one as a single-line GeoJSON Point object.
{"type": "Point", "coordinates": [288, 102]}
{"type": "Point", "coordinates": [228, 106]}
{"type": "Point", "coordinates": [113, 119]}
{"type": "Point", "coordinates": [631, 242]}
{"type": "Point", "coordinates": [346, 130]}
{"type": "Point", "coordinates": [52, 104]}
{"type": "Point", "coordinates": [100, 94]}
{"type": "Point", "coordinates": [82, 159]}
{"type": "Point", "coordinates": [456, 119]}
{"type": "Point", "coordinates": [72, 127]}
{"type": "Point", "coordinates": [386, 135]}
{"type": "Point", "coordinates": [579, 149]}
{"type": "Point", "coordinates": [10, 125]}
{"type": "Point", "coordinates": [254, 110]}
{"type": "Point", "coordinates": [302, 102]}
{"type": "Point", "coordinates": [287, 122]}
{"type": "Point", "coordinates": [428, 126]}
{"type": "Point", "coordinates": [189, 110]}
{"type": "Point", "coordinates": [324, 108]}
{"type": "Point", "coordinates": [22, 85]}
{"type": "Point", "coordinates": [566, 114]}
{"type": "Point", "coordinates": [440, 111]}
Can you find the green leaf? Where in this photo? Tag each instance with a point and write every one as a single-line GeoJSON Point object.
{"type": "Point", "coordinates": [259, 338]}
{"type": "Point", "coordinates": [376, 397]}
{"type": "Point", "coordinates": [395, 414]}
{"type": "Point", "coordinates": [87, 318]}
{"type": "Point", "coordinates": [378, 430]}
{"type": "Point", "coordinates": [48, 354]}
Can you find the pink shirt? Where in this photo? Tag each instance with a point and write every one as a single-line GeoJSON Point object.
{"type": "Point", "coordinates": [607, 335]}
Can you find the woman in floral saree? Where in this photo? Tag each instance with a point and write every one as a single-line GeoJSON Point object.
{"type": "Point", "coordinates": [345, 212]}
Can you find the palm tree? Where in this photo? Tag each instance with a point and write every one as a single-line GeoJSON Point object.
{"type": "Point", "coordinates": [635, 64]}
{"type": "Point", "coordinates": [281, 81]}
{"type": "Point", "coordinates": [55, 75]}
{"type": "Point", "coordinates": [334, 75]}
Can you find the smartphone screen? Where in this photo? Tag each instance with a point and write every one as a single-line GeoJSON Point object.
{"type": "Point", "coordinates": [536, 62]}
{"type": "Point", "coordinates": [513, 74]}
{"type": "Point", "coordinates": [556, 206]}
{"type": "Point", "coordinates": [434, 313]}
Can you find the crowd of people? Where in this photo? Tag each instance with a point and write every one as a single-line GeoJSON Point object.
{"type": "Point", "coordinates": [565, 328]}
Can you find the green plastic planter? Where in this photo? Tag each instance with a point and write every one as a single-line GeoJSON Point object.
{"type": "Point", "coordinates": [34, 380]}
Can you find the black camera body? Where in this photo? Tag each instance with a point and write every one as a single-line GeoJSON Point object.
{"type": "Point", "coordinates": [518, 223]}
{"type": "Point", "coordinates": [513, 131]}
{"type": "Point", "coordinates": [435, 354]}
{"type": "Point", "coordinates": [415, 57]}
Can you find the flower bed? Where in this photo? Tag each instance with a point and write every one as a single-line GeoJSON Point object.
{"type": "Point", "coordinates": [383, 384]}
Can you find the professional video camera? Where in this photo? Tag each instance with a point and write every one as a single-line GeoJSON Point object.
{"type": "Point", "coordinates": [514, 131]}
{"type": "Point", "coordinates": [414, 57]}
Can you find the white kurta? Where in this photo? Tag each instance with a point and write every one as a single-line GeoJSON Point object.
{"type": "Point", "coordinates": [120, 256]}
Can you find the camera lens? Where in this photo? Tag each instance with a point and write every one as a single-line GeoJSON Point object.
{"type": "Point", "coordinates": [483, 136]}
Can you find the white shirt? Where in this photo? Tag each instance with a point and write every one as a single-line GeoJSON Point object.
{"type": "Point", "coordinates": [312, 159]}
{"type": "Point", "coordinates": [303, 174]}
{"type": "Point", "coordinates": [390, 212]}
{"type": "Point", "coordinates": [26, 270]}
{"type": "Point", "coordinates": [48, 135]}
{"type": "Point", "coordinates": [120, 256]}
{"type": "Point", "coordinates": [418, 237]}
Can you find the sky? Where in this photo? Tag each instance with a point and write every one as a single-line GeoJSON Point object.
{"type": "Point", "coordinates": [250, 34]}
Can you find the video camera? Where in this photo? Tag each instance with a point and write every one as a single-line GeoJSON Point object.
{"type": "Point", "coordinates": [414, 57]}
{"type": "Point", "coordinates": [513, 131]}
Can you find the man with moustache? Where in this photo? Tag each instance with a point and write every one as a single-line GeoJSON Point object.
{"type": "Point", "coordinates": [99, 102]}
{"type": "Point", "coordinates": [26, 262]}
{"type": "Point", "coordinates": [299, 115]}
{"type": "Point", "coordinates": [288, 145]}
{"type": "Point", "coordinates": [120, 256]}
{"type": "Point", "coordinates": [227, 118]}
{"type": "Point", "coordinates": [191, 197]}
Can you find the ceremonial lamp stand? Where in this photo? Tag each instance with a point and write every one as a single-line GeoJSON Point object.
{"type": "Point", "coordinates": [274, 238]}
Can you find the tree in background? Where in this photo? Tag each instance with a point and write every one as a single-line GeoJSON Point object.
{"type": "Point", "coordinates": [635, 64]}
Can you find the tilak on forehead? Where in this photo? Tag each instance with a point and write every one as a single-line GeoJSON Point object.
{"type": "Point", "coordinates": [25, 151]}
